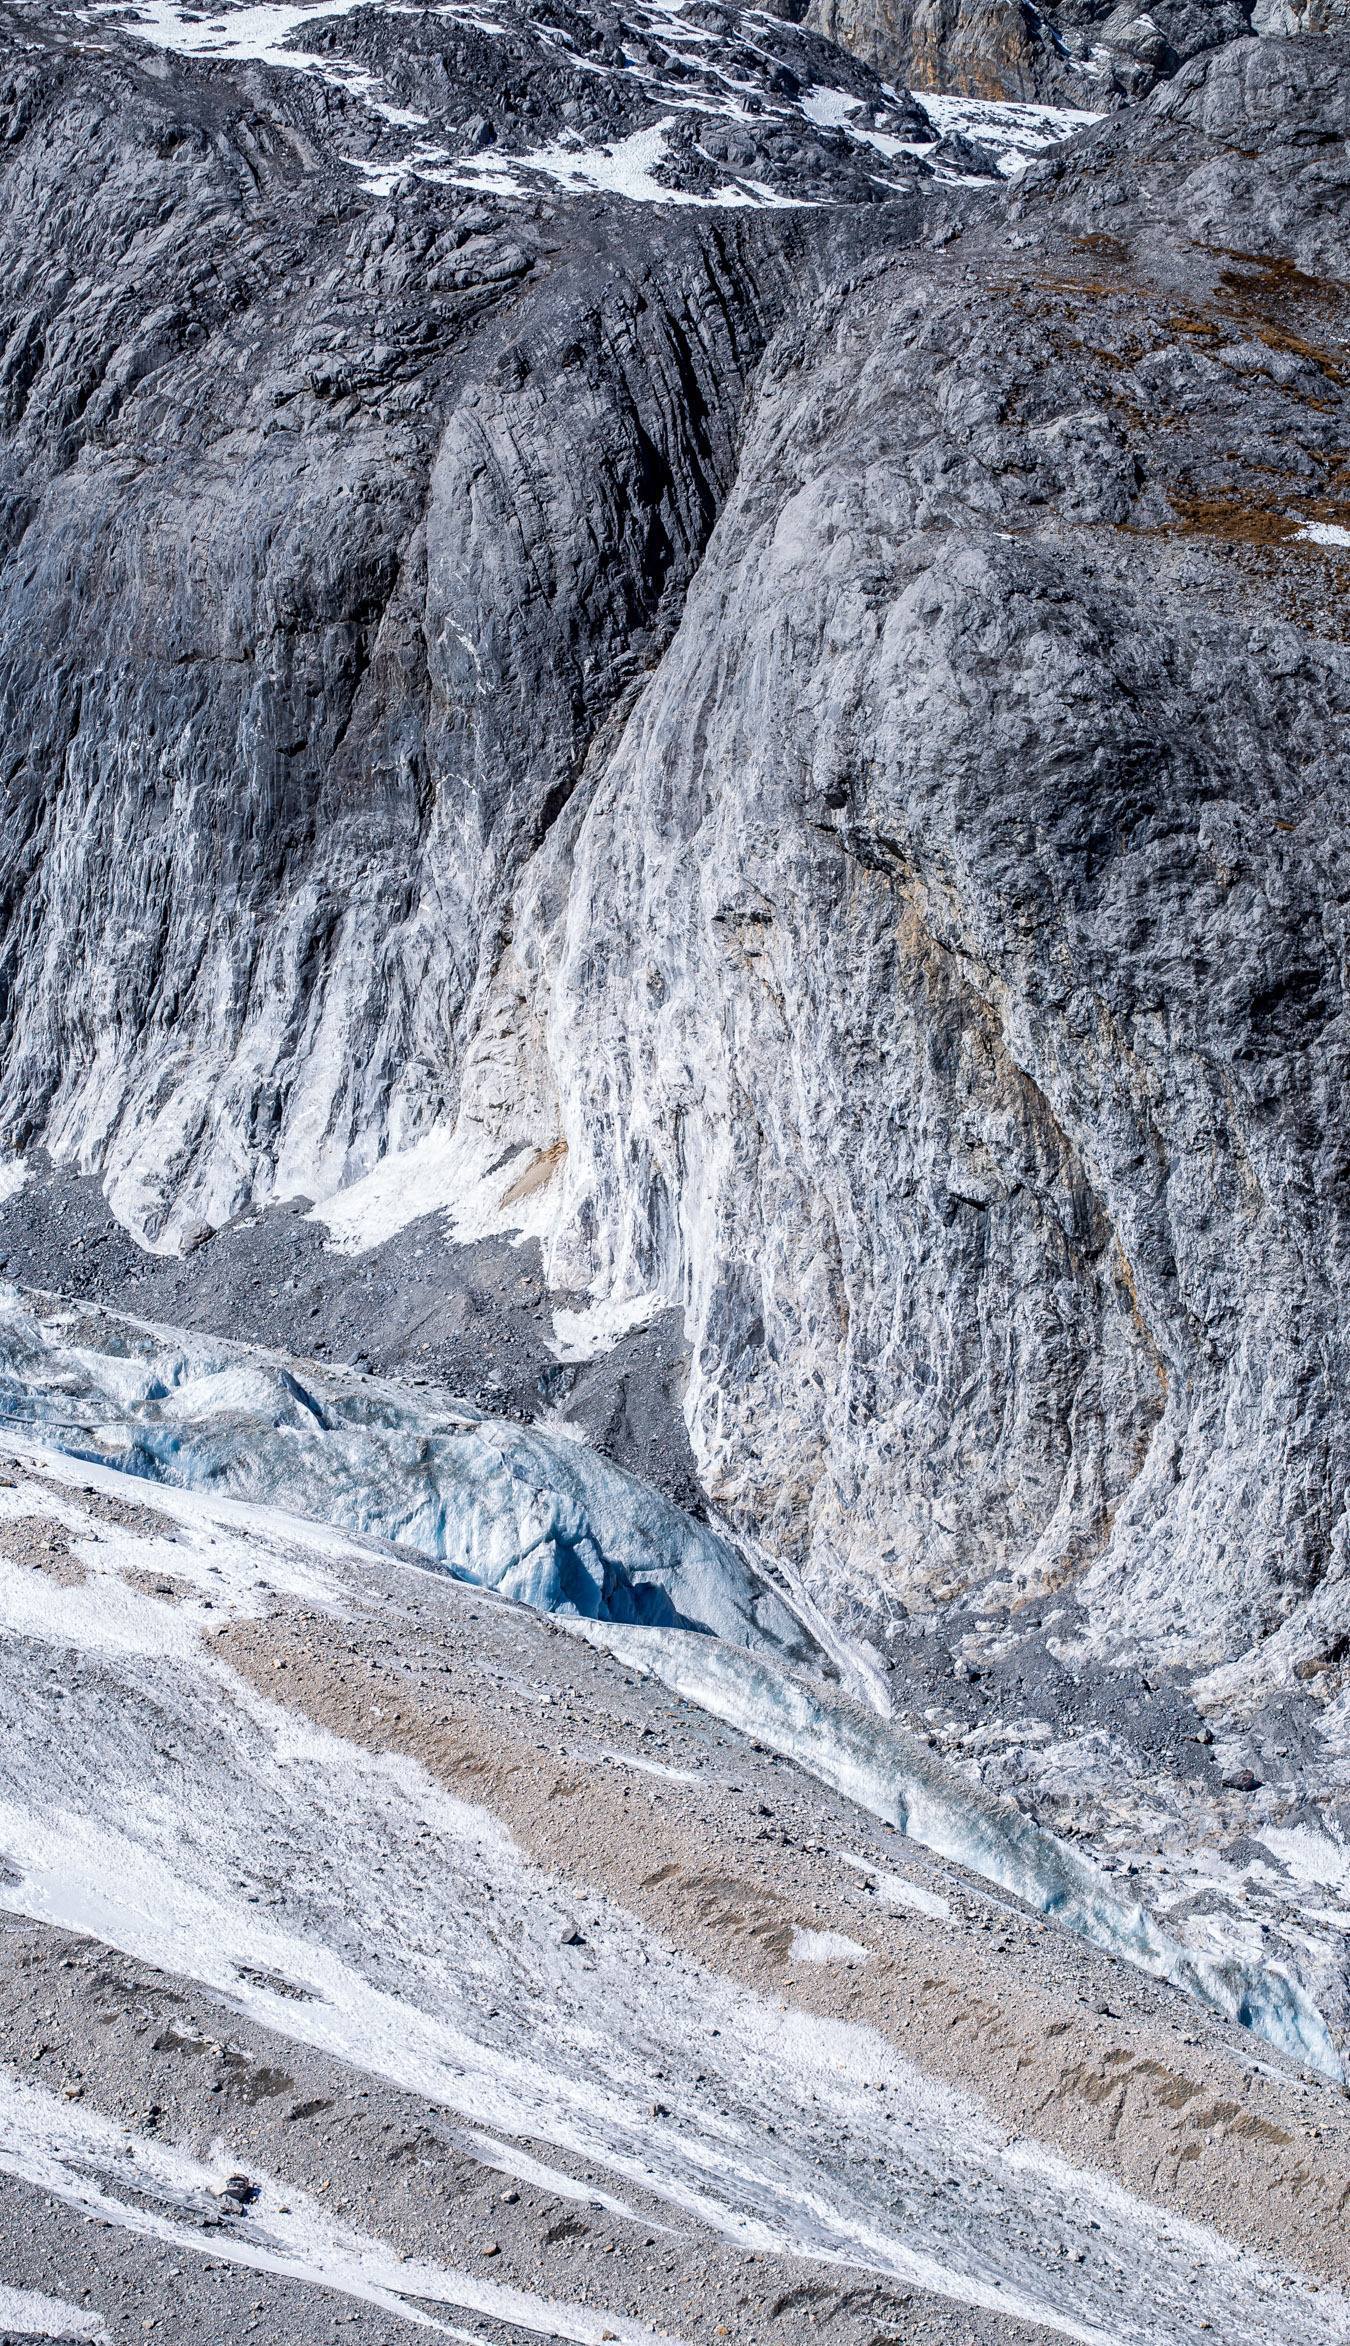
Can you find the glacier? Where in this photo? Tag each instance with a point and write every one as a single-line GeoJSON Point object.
{"type": "Point", "coordinates": [540, 1517]}
{"type": "Point", "coordinates": [896, 1777]}
{"type": "Point", "coordinates": [360, 1907]}
{"type": "Point", "coordinates": [543, 1520]}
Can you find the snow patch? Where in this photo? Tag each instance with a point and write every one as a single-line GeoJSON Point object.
{"type": "Point", "coordinates": [651, 1767]}
{"type": "Point", "coordinates": [255, 36]}
{"type": "Point", "coordinates": [29, 2314]}
{"type": "Point", "coordinates": [598, 1327]}
{"type": "Point", "coordinates": [453, 1173]}
{"type": "Point", "coordinates": [430, 1952]}
{"type": "Point", "coordinates": [1311, 1857]}
{"type": "Point", "coordinates": [1323, 533]}
{"type": "Point", "coordinates": [509, 2159]}
{"type": "Point", "coordinates": [828, 108]}
{"type": "Point", "coordinates": [827, 1947]}
{"type": "Point", "coordinates": [625, 168]}
{"type": "Point", "coordinates": [1016, 133]}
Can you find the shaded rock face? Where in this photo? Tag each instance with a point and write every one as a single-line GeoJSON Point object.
{"type": "Point", "coordinates": [1086, 53]}
{"type": "Point", "coordinates": [336, 525]}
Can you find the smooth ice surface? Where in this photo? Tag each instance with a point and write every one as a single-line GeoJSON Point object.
{"type": "Point", "coordinates": [899, 1779]}
{"type": "Point", "coordinates": [428, 1948]}
{"type": "Point", "coordinates": [541, 1518]}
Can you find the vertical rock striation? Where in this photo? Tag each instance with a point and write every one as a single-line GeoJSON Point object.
{"type": "Point", "coordinates": [949, 1003]}
{"type": "Point", "coordinates": [335, 526]}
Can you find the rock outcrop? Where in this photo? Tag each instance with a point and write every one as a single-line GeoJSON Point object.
{"type": "Point", "coordinates": [346, 492]}
{"type": "Point", "coordinates": [1097, 54]}
{"type": "Point", "coordinates": [939, 987]}
{"type": "Point", "coordinates": [943, 981]}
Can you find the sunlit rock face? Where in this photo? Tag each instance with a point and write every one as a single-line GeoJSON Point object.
{"type": "Point", "coordinates": [1071, 52]}
{"type": "Point", "coordinates": [358, 452]}
{"type": "Point", "coordinates": [949, 998]}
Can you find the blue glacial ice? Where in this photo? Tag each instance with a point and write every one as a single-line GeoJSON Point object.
{"type": "Point", "coordinates": [539, 1517]}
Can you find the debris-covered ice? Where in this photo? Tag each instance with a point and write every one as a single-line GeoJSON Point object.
{"type": "Point", "coordinates": [351, 1903]}
{"type": "Point", "coordinates": [152, 2187]}
{"type": "Point", "coordinates": [547, 1522]}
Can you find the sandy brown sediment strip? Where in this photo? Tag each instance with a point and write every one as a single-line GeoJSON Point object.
{"type": "Point", "coordinates": [1064, 2046]}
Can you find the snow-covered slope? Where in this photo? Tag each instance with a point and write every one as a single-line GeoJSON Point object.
{"type": "Point", "coordinates": [196, 1818]}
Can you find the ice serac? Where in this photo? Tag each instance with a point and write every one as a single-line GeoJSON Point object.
{"type": "Point", "coordinates": [897, 1778]}
{"type": "Point", "coordinates": [542, 1519]}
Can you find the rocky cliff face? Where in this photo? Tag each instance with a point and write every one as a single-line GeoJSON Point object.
{"type": "Point", "coordinates": [1087, 53]}
{"type": "Point", "coordinates": [599, 635]}
{"type": "Point", "coordinates": [939, 989]}
{"type": "Point", "coordinates": [941, 982]}
{"type": "Point", "coordinates": [348, 488]}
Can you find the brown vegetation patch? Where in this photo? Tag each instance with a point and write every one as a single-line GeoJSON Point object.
{"type": "Point", "coordinates": [1270, 298]}
{"type": "Point", "coordinates": [1236, 520]}
{"type": "Point", "coordinates": [1106, 248]}
{"type": "Point", "coordinates": [1274, 276]}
